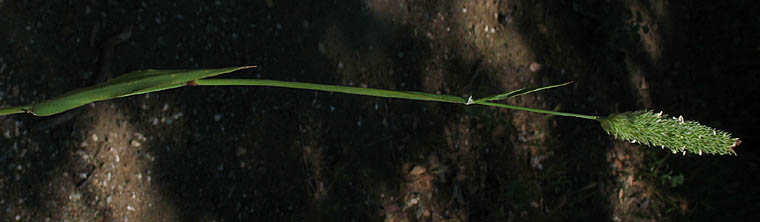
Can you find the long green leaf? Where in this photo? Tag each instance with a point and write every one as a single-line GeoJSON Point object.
{"type": "Point", "coordinates": [518, 92]}
{"type": "Point", "coordinates": [333, 88]}
{"type": "Point", "coordinates": [128, 84]}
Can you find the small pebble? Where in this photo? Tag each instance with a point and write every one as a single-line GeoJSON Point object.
{"type": "Point", "coordinates": [140, 136]}
{"type": "Point", "coordinates": [412, 202]}
{"type": "Point", "coordinates": [321, 47]}
{"type": "Point", "coordinates": [535, 67]}
{"type": "Point", "coordinates": [240, 151]}
{"type": "Point", "coordinates": [75, 196]}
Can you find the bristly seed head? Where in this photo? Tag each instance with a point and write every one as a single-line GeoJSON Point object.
{"type": "Point", "coordinates": [679, 135]}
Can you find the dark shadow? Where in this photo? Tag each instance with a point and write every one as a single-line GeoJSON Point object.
{"type": "Point", "coordinates": [583, 42]}
{"type": "Point", "coordinates": [240, 153]}
{"type": "Point", "coordinates": [38, 63]}
{"type": "Point", "coordinates": [705, 73]}
{"type": "Point", "coordinates": [710, 76]}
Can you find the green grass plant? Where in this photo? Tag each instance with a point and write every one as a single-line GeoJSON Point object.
{"type": "Point", "coordinates": [643, 127]}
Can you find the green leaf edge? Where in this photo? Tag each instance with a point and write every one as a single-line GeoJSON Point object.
{"type": "Point", "coordinates": [518, 92]}
{"type": "Point", "coordinates": [132, 83]}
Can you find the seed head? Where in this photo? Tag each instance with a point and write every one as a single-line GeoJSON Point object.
{"type": "Point", "coordinates": [678, 135]}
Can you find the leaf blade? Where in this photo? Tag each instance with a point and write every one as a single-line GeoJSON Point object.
{"type": "Point", "coordinates": [13, 110]}
{"type": "Point", "coordinates": [519, 92]}
{"type": "Point", "coordinates": [334, 88]}
{"type": "Point", "coordinates": [132, 83]}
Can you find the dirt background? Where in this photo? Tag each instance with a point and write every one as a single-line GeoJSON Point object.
{"type": "Point", "coordinates": [258, 153]}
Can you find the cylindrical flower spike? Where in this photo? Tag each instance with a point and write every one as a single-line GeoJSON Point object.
{"type": "Point", "coordinates": [677, 134]}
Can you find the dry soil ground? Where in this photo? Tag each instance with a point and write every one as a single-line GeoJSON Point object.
{"type": "Point", "coordinates": [267, 154]}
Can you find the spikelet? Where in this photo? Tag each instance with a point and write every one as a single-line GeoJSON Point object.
{"type": "Point", "coordinates": [658, 130]}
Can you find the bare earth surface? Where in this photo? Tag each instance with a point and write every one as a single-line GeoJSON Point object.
{"type": "Point", "coordinates": [268, 154]}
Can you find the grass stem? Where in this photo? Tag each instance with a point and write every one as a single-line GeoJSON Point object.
{"type": "Point", "coordinates": [376, 92]}
{"type": "Point", "coordinates": [539, 110]}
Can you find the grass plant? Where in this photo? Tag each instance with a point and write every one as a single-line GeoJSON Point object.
{"type": "Point", "coordinates": [643, 127]}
